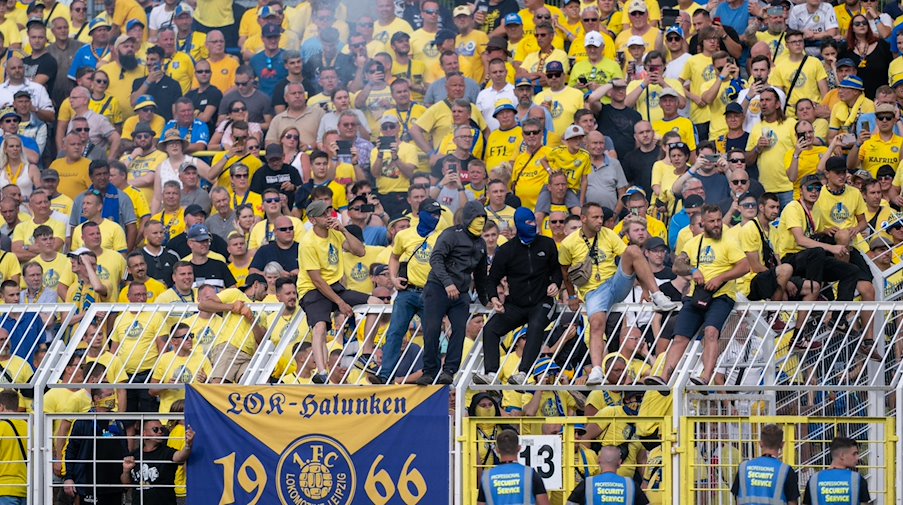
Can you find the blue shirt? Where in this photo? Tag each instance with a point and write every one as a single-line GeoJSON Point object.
{"type": "Point", "coordinates": [680, 221]}
{"type": "Point", "coordinates": [200, 133]}
{"type": "Point", "coordinates": [269, 70]}
{"type": "Point", "coordinates": [27, 143]}
{"type": "Point", "coordinates": [25, 334]}
{"type": "Point", "coordinates": [738, 18]}
{"type": "Point", "coordinates": [85, 57]}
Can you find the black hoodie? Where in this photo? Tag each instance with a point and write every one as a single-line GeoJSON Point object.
{"type": "Point", "coordinates": [458, 255]}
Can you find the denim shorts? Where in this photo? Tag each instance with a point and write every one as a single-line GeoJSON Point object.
{"type": "Point", "coordinates": [609, 293]}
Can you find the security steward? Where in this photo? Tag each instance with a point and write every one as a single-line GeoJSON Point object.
{"type": "Point", "coordinates": [839, 481]}
{"type": "Point", "coordinates": [766, 480]}
{"type": "Point", "coordinates": [511, 483]}
{"type": "Point", "coordinates": [530, 263]}
{"type": "Point", "coordinates": [608, 487]}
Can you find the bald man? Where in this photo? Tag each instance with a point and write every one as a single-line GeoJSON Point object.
{"type": "Point", "coordinates": [608, 484]}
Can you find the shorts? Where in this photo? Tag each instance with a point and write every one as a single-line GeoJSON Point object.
{"type": "Point", "coordinates": [690, 319]}
{"type": "Point", "coordinates": [230, 363]}
{"type": "Point", "coordinates": [609, 293]}
{"type": "Point", "coordinates": [764, 284]}
{"type": "Point", "coordinates": [319, 309]}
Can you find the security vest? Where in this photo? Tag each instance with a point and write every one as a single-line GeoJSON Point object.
{"type": "Point", "coordinates": [610, 488]}
{"type": "Point", "coordinates": [762, 482]}
{"type": "Point", "coordinates": [834, 487]}
{"type": "Point", "coordinates": [509, 484]}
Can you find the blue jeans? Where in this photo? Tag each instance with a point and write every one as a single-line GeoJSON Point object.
{"type": "Point", "coordinates": [12, 500]}
{"type": "Point", "coordinates": [408, 303]}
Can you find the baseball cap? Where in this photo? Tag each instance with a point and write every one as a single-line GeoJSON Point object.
{"type": "Point", "coordinates": [693, 202]}
{"type": "Point", "coordinates": [50, 174]}
{"type": "Point", "coordinates": [122, 39]}
{"type": "Point", "coordinates": [98, 23]}
{"type": "Point", "coordinates": [35, 6]}
{"type": "Point", "coordinates": [271, 30]}
{"type": "Point", "coordinates": [194, 209]}
{"type": "Point", "coordinates": [523, 81]}
{"type": "Point", "coordinates": [878, 243]}
{"type": "Point", "coordinates": [252, 279]}
{"type": "Point", "coordinates": [573, 131]}
{"type": "Point", "coordinates": [554, 66]}
{"type": "Point", "coordinates": [274, 151]}
{"type": "Point", "coordinates": [675, 29]}
{"type": "Point", "coordinates": [668, 92]}
{"type": "Point", "coordinates": [133, 23]}
{"type": "Point", "coordinates": [733, 108]}
{"type": "Point", "coordinates": [502, 105]}
{"type": "Point", "coordinates": [513, 19]}
{"type": "Point", "coordinates": [898, 81]}
{"type": "Point", "coordinates": [497, 43]}
{"type": "Point", "coordinates": [78, 252]}
{"type": "Point", "coordinates": [359, 198]}
{"type": "Point", "coordinates": [380, 269]}
{"type": "Point", "coordinates": [654, 243]}
{"type": "Point", "coordinates": [852, 82]}
{"type": "Point", "coordinates": [431, 206]}
{"type": "Point", "coordinates": [388, 117]}
{"type": "Point", "coordinates": [462, 10]}
{"type": "Point", "coordinates": [893, 223]}
{"type": "Point", "coordinates": [594, 39]}
{"type": "Point", "coordinates": [836, 164]}
{"type": "Point", "coordinates": [22, 93]}
{"type": "Point", "coordinates": [399, 36]}
{"type": "Point", "coordinates": [9, 113]}
{"type": "Point", "coordinates": [883, 170]}
{"type": "Point", "coordinates": [636, 6]}
{"type": "Point", "coordinates": [184, 8]}
{"type": "Point", "coordinates": [316, 208]}
{"type": "Point", "coordinates": [266, 12]}
{"type": "Point", "coordinates": [144, 101]}
{"type": "Point", "coordinates": [636, 40]}
{"type": "Point", "coordinates": [810, 179]}
{"type": "Point", "coordinates": [862, 174]}
{"type": "Point", "coordinates": [198, 232]}
{"type": "Point", "coordinates": [845, 62]}
{"type": "Point", "coordinates": [885, 107]}
{"type": "Point", "coordinates": [634, 190]}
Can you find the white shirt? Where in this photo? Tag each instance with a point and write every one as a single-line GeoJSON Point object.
{"type": "Point", "coordinates": [39, 96]}
{"type": "Point", "coordinates": [822, 20]}
{"type": "Point", "coordinates": [159, 17]}
{"type": "Point", "coordinates": [486, 103]}
{"type": "Point", "coordinates": [675, 67]}
{"type": "Point", "coordinates": [754, 110]}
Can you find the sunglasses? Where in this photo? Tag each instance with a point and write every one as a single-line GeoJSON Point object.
{"type": "Point", "coordinates": [885, 177]}
{"type": "Point", "coordinates": [430, 11]}
{"type": "Point", "coordinates": [239, 139]}
{"type": "Point", "coordinates": [13, 120]}
{"type": "Point", "coordinates": [292, 136]}
{"type": "Point", "coordinates": [590, 20]}
{"type": "Point", "coordinates": [737, 182]}
{"type": "Point", "coordinates": [143, 135]}
{"type": "Point", "coordinates": [748, 205]}
{"type": "Point", "coordinates": [101, 81]}
{"type": "Point", "coordinates": [240, 176]}
{"type": "Point", "coordinates": [556, 221]}
{"type": "Point", "coordinates": [388, 126]}
{"type": "Point", "coordinates": [241, 109]}
{"type": "Point", "coordinates": [553, 75]}
{"type": "Point", "coordinates": [157, 429]}
{"type": "Point", "coordinates": [79, 9]}
{"type": "Point", "coordinates": [543, 16]}
{"type": "Point", "coordinates": [813, 187]}
{"type": "Point", "coordinates": [676, 144]}
{"type": "Point", "coordinates": [286, 229]}
{"type": "Point", "coordinates": [385, 298]}
{"type": "Point", "coordinates": [359, 45]}
{"type": "Point", "coordinates": [200, 71]}
{"type": "Point", "coordinates": [637, 13]}
{"type": "Point", "coordinates": [860, 23]}
{"type": "Point", "coordinates": [884, 117]}
{"type": "Point", "coordinates": [76, 130]}
{"type": "Point", "coordinates": [272, 200]}
{"type": "Point", "coordinates": [246, 83]}
{"type": "Point", "coordinates": [737, 160]}
{"type": "Point", "coordinates": [187, 336]}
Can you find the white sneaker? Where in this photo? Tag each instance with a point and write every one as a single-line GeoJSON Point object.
{"type": "Point", "coordinates": [662, 302]}
{"type": "Point", "coordinates": [518, 379]}
{"type": "Point", "coordinates": [483, 378]}
{"type": "Point", "coordinates": [596, 377]}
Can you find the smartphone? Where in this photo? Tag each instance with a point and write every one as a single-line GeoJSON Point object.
{"type": "Point", "coordinates": [865, 126]}
{"type": "Point", "coordinates": [582, 80]}
{"type": "Point", "coordinates": [716, 20]}
{"type": "Point", "coordinates": [621, 58]}
{"type": "Point", "coordinates": [368, 207]}
{"type": "Point", "coordinates": [344, 146]}
{"type": "Point", "coordinates": [712, 158]}
{"type": "Point", "coordinates": [385, 143]}
{"type": "Point", "coordinates": [669, 17]}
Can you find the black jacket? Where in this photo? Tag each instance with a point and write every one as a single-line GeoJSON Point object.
{"type": "Point", "coordinates": [97, 461]}
{"type": "Point", "coordinates": [458, 254]}
{"type": "Point", "coordinates": [529, 269]}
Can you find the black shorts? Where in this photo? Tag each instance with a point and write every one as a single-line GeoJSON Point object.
{"type": "Point", "coordinates": [319, 309]}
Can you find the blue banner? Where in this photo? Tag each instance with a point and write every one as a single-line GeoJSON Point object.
{"type": "Point", "coordinates": [302, 445]}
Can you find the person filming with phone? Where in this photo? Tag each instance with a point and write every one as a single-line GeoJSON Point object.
{"type": "Point", "coordinates": [448, 173]}
{"type": "Point", "coordinates": [710, 168]}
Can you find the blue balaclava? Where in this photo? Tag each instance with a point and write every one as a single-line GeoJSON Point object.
{"type": "Point", "coordinates": [525, 223]}
{"type": "Point", "coordinates": [427, 223]}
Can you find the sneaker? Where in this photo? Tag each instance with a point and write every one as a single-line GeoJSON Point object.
{"type": "Point", "coordinates": [654, 380]}
{"type": "Point", "coordinates": [483, 378]}
{"type": "Point", "coordinates": [425, 380]}
{"type": "Point", "coordinates": [697, 381]}
{"type": "Point", "coordinates": [319, 378]}
{"type": "Point", "coordinates": [376, 379]}
{"type": "Point", "coordinates": [518, 379]}
{"type": "Point", "coordinates": [662, 302]}
{"type": "Point", "coordinates": [596, 377]}
{"type": "Point", "coordinates": [444, 378]}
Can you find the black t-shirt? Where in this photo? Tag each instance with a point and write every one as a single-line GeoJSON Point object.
{"type": "Point", "coordinates": [538, 487]}
{"type": "Point", "coordinates": [578, 495]}
{"type": "Point", "coordinates": [160, 267]}
{"type": "Point", "coordinates": [637, 167]}
{"type": "Point", "coordinates": [667, 288]}
{"type": "Point", "coordinates": [288, 258]}
{"type": "Point", "coordinates": [211, 96]}
{"type": "Point", "coordinates": [179, 246]}
{"type": "Point", "coordinates": [165, 94]}
{"type": "Point", "coordinates": [618, 124]}
{"type": "Point", "coordinates": [44, 65]}
{"type": "Point", "coordinates": [450, 161]}
{"type": "Point", "coordinates": [155, 474]}
{"type": "Point", "coordinates": [213, 272]}
{"type": "Point", "coordinates": [265, 177]}
{"type": "Point", "coordinates": [791, 486]}
{"type": "Point", "coordinates": [495, 14]}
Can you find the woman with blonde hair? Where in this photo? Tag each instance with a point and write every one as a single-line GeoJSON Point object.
{"type": "Point", "coordinates": [15, 169]}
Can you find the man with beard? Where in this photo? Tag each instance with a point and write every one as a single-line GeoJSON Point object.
{"type": "Point", "coordinates": [63, 51]}
{"type": "Point", "coordinates": [713, 262]}
{"type": "Point", "coordinates": [40, 66]}
{"type": "Point", "coordinates": [124, 70]}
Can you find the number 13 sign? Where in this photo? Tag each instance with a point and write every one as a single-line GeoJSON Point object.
{"type": "Point", "coordinates": [543, 454]}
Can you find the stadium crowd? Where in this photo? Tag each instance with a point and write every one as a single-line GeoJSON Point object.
{"type": "Point", "coordinates": [328, 154]}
